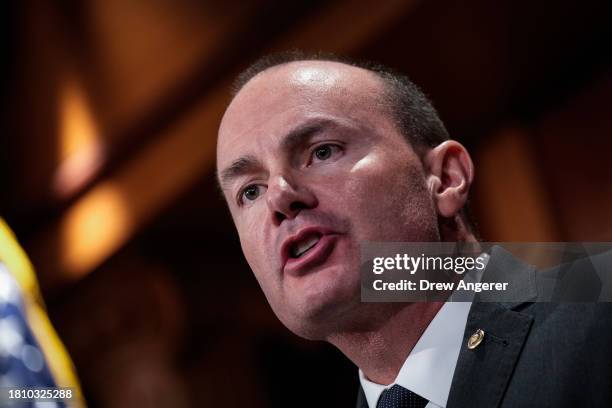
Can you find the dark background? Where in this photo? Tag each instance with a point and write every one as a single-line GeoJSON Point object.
{"type": "Point", "coordinates": [110, 111]}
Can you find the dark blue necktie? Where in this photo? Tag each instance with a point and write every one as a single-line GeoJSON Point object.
{"type": "Point", "coordinates": [399, 397]}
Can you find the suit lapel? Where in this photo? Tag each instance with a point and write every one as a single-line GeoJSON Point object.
{"type": "Point", "coordinates": [483, 373]}
{"type": "Point", "coordinates": [362, 402]}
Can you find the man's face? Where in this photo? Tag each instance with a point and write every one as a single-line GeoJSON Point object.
{"type": "Point", "coordinates": [311, 166]}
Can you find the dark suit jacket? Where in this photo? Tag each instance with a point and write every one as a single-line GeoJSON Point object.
{"type": "Point", "coordinates": [553, 354]}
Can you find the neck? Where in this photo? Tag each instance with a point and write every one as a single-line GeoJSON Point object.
{"type": "Point", "coordinates": [380, 351]}
{"type": "Point", "coordinates": [455, 229]}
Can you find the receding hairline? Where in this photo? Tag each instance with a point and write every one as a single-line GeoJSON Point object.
{"type": "Point", "coordinates": [384, 87]}
{"type": "Point", "coordinates": [386, 98]}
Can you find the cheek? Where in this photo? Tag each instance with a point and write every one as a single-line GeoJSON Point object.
{"type": "Point", "coordinates": [375, 181]}
{"type": "Point", "coordinates": [389, 198]}
{"type": "Point", "coordinates": [350, 185]}
{"type": "Point", "coordinates": [250, 230]}
{"type": "Point", "coordinates": [259, 262]}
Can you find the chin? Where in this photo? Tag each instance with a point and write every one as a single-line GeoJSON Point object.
{"type": "Point", "coordinates": [309, 328]}
{"type": "Point", "coordinates": [321, 313]}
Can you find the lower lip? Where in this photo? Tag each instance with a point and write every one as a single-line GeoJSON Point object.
{"type": "Point", "coordinates": [315, 256]}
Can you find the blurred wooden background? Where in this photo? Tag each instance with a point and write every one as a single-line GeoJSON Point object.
{"type": "Point", "coordinates": [110, 111]}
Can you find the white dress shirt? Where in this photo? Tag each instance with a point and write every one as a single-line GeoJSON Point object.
{"type": "Point", "coordinates": [429, 368]}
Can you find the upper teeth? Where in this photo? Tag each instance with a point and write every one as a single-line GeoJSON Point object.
{"type": "Point", "coordinates": [303, 246]}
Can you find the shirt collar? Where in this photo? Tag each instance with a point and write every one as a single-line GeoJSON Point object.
{"type": "Point", "coordinates": [429, 368]}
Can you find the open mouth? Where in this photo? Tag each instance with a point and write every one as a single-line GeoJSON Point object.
{"type": "Point", "coordinates": [307, 250]}
{"type": "Point", "coordinates": [304, 245]}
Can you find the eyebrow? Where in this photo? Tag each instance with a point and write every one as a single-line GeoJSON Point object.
{"type": "Point", "coordinates": [244, 165]}
{"type": "Point", "coordinates": [249, 163]}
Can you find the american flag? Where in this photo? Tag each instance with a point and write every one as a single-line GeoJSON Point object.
{"type": "Point", "coordinates": [22, 363]}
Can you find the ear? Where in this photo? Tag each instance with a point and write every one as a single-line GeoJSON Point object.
{"type": "Point", "coordinates": [451, 172]}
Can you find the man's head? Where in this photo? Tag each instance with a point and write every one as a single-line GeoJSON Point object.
{"type": "Point", "coordinates": [315, 157]}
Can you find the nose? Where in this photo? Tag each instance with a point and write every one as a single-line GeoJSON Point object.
{"type": "Point", "coordinates": [286, 199]}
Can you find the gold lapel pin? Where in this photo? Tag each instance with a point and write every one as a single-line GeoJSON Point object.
{"type": "Point", "coordinates": [475, 339]}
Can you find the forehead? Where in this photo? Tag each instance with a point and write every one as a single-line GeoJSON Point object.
{"type": "Point", "coordinates": [282, 97]}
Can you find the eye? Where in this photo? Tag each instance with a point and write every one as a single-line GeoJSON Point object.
{"type": "Point", "coordinates": [250, 193]}
{"type": "Point", "coordinates": [325, 152]}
